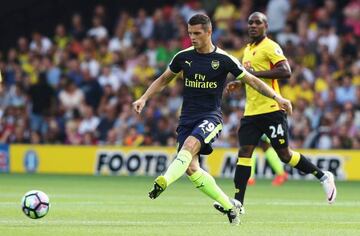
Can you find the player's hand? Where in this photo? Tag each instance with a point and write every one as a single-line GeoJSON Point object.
{"type": "Point", "coordinates": [233, 86]}
{"type": "Point", "coordinates": [284, 104]}
{"type": "Point", "coordinates": [138, 105]}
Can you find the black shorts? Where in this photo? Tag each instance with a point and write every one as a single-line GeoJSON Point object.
{"type": "Point", "coordinates": [206, 130]}
{"type": "Point", "coordinates": [273, 124]}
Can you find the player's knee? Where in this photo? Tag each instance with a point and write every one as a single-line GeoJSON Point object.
{"type": "Point", "coordinates": [192, 169]}
{"type": "Point", "coordinates": [264, 145]}
{"type": "Point", "coordinates": [192, 145]}
{"type": "Point", "coordinates": [245, 152]}
{"type": "Point", "coordinates": [284, 155]}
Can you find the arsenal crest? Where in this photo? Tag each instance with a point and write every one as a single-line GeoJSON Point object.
{"type": "Point", "coordinates": [215, 64]}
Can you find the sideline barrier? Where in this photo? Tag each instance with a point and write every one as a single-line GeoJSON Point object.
{"type": "Point", "coordinates": [112, 160]}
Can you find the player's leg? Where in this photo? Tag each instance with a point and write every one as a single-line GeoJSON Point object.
{"type": "Point", "coordinates": [278, 133]}
{"type": "Point", "coordinates": [241, 177]}
{"type": "Point", "coordinates": [205, 132]}
{"type": "Point", "coordinates": [252, 179]}
{"type": "Point", "coordinates": [243, 171]}
{"type": "Point", "coordinates": [177, 168]}
{"type": "Point", "coordinates": [274, 161]}
{"type": "Point", "coordinates": [249, 136]}
{"type": "Point", "coordinates": [206, 184]}
{"type": "Point", "coordinates": [300, 162]}
{"type": "Point", "coordinates": [185, 156]}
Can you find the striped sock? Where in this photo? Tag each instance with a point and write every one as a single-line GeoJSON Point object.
{"type": "Point", "coordinates": [300, 162]}
{"type": "Point", "coordinates": [242, 175]}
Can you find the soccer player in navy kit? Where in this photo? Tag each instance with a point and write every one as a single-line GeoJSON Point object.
{"type": "Point", "coordinates": [205, 68]}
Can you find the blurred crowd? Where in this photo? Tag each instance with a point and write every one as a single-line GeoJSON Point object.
{"type": "Point", "coordinates": [77, 85]}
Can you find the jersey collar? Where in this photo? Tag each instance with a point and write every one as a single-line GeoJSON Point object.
{"type": "Point", "coordinates": [215, 48]}
{"type": "Point", "coordinates": [257, 43]}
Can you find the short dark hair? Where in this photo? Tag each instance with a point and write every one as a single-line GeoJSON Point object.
{"type": "Point", "coordinates": [201, 19]}
{"type": "Point", "coordinates": [261, 15]}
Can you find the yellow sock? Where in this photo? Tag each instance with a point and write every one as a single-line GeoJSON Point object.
{"type": "Point", "coordinates": [178, 167]}
{"type": "Point", "coordinates": [206, 184]}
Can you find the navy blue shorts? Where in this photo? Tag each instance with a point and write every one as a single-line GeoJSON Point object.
{"type": "Point", "coordinates": [206, 130]}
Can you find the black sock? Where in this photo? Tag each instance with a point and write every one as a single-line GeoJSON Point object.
{"type": "Point", "coordinates": [242, 175]}
{"type": "Point", "coordinates": [307, 167]}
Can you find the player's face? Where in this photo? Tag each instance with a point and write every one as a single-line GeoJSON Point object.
{"type": "Point", "coordinates": [199, 37]}
{"type": "Point", "coordinates": [256, 26]}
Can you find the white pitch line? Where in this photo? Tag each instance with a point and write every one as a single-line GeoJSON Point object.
{"type": "Point", "coordinates": [251, 203]}
{"type": "Point", "coordinates": [294, 203]}
{"type": "Point", "coordinates": [67, 195]}
{"type": "Point", "coordinates": [44, 222]}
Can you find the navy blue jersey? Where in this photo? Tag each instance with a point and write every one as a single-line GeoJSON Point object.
{"type": "Point", "coordinates": [204, 78]}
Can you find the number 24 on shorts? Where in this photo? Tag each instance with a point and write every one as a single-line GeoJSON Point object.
{"type": "Point", "coordinates": [276, 131]}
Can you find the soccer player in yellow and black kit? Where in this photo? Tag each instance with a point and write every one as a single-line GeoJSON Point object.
{"type": "Point", "coordinates": [205, 68]}
{"type": "Point", "coordinates": [265, 59]}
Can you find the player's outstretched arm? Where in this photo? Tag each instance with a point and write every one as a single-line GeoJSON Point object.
{"type": "Point", "coordinates": [154, 88]}
{"type": "Point", "coordinates": [281, 70]}
{"type": "Point", "coordinates": [265, 90]}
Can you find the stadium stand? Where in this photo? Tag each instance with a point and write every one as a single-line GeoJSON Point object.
{"type": "Point", "coordinates": [76, 85]}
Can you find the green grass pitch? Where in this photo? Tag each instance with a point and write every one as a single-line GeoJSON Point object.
{"type": "Point", "coordinates": [111, 205]}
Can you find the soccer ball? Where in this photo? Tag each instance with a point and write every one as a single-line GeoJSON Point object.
{"type": "Point", "coordinates": [35, 204]}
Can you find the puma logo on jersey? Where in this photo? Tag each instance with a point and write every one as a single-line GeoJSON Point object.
{"type": "Point", "coordinates": [188, 62]}
{"type": "Point", "coordinates": [281, 141]}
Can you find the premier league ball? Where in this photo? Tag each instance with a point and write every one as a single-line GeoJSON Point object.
{"type": "Point", "coordinates": [35, 204]}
